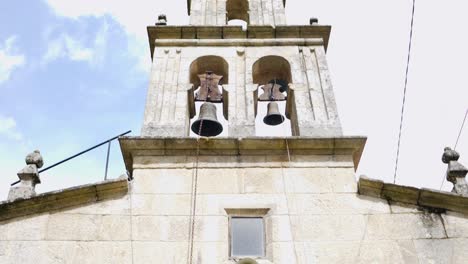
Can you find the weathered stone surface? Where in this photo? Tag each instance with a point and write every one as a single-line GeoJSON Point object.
{"type": "Point", "coordinates": [330, 227]}
{"type": "Point", "coordinates": [162, 252]}
{"type": "Point", "coordinates": [27, 228]}
{"type": "Point", "coordinates": [387, 251]}
{"type": "Point", "coordinates": [335, 204]}
{"type": "Point", "coordinates": [161, 204]}
{"type": "Point", "coordinates": [160, 228]}
{"type": "Point", "coordinates": [404, 226]}
{"type": "Point", "coordinates": [456, 224]}
{"type": "Point", "coordinates": [164, 181]}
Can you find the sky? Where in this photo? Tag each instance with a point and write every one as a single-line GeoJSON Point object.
{"type": "Point", "coordinates": [75, 73]}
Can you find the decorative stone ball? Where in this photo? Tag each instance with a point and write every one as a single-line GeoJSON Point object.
{"type": "Point", "coordinates": [449, 155]}
{"type": "Point", "coordinates": [35, 158]}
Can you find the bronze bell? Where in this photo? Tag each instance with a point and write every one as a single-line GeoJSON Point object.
{"type": "Point", "coordinates": [210, 126]}
{"type": "Point", "coordinates": [273, 117]}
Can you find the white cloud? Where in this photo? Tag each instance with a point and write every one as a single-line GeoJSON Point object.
{"type": "Point", "coordinates": [8, 128]}
{"type": "Point", "coordinates": [8, 60]}
{"type": "Point", "coordinates": [73, 48]}
{"type": "Point", "coordinates": [134, 16]}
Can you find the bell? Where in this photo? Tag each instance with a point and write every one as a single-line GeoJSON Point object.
{"type": "Point", "coordinates": [273, 116]}
{"type": "Point", "coordinates": [208, 122]}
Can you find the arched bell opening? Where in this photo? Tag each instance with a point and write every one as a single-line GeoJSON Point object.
{"type": "Point", "coordinates": [272, 74]}
{"type": "Point", "coordinates": [207, 98]}
{"type": "Point", "coordinates": [237, 10]}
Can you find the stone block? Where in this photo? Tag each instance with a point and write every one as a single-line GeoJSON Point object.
{"type": "Point", "coordinates": [73, 227]}
{"type": "Point", "coordinates": [404, 226]}
{"type": "Point", "coordinates": [263, 180]}
{"type": "Point", "coordinates": [400, 193]}
{"type": "Point", "coordinates": [456, 224]}
{"type": "Point", "coordinates": [161, 204]}
{"type": "Point", "coordinates": [387, 251]}
{"type": "Point", "coordinates": [281, 252]}
{"type": "Point", "coordinates": [327, 252]}
{"type": "Point", "coordinates": [210, 252]}
{"type": "Point", "coordinates": [370, 187]}
{"type": "Point", "coordinates": [278, 229]}
{"type": "Point", "coordinates": [162, 181]}
{"type": "Point", "coordinates": [222, 181]}
{"type": "Point", "coordinates": [119, 206]}
{"type": "Point", "coordinates": [159, 252]}
{"type": "Point", "coordinates": [398, 208]}
{"type": "Point", "coordinates": [88, 227]}
{"type": "Point", "coordinates": [102, 252]}
{"type": "Point", "coordinates": [336, 204]}
{"type": "Point", "coordinates": [25, 228]}
{"type": "Point", "coordinates": [308, 180]}
{"type": "Point", "coordinates": [343, 180]}
{"type": "Point", "coordinates": [328, 227]}
{"type": "Point", "coordinates": [160, 228]}
{"type": "Point", "coordinates": [211, 229]}
{"type": "Point", "coordinates": [435, 250]}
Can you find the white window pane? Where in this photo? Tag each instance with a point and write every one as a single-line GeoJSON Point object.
{"type": "Point", "coordinates": [247, 236]}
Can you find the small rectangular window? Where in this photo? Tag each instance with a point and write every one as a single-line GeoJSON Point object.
{"type": "Point", "coordinates": [247, 237]}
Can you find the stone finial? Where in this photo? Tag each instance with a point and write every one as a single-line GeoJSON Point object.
{"type": "Point", "coordinates": [29, 177]}
{"type": "Point", "coordinates": [313, 21]}
{"type": "Point", "coordinates": [456, 172]}
{"type": "Point", "coordinates": [162, 20]}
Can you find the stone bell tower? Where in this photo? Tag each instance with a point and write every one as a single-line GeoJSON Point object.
{"type": "Point", "coordinates": [266, 51]}
{"type": "Point", "coordinates": [240, 197]}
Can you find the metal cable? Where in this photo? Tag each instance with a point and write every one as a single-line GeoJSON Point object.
{"type": "Point", "coordinates": [404, 92]}
{"type": "Point", "coordinates": [461, 129]}
{"type": "Point", "coordinates": [456, 143]}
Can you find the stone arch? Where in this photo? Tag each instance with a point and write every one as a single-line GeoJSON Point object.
{"type": "Point", "coordinates": [216, 64]}
{"type": "Point", "coordinates": [237, 10]}
{"type": "Point", "coordinates": [269, 68]}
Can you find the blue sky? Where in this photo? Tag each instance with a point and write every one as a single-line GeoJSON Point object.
{"type": "Point", "coordinates": [73, 73]}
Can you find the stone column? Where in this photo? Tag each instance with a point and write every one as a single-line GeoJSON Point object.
{"type": "Point", "coordinates": [167, 108]}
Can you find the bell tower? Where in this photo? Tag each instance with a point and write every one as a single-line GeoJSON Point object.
{"type": "Point", "coordinates": [267, 61]}
{"type": "Point", "coordinates": [212, 180]}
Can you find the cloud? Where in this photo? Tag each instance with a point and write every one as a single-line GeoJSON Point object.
{"type": "Point", "coordinates": [8, 128]}
{"type": "Point", "coordinates": [8, 60]}
{"type": "Point", "coordinates": [75, 49]}
{"type": "Point", "coordinates": [133, 16]}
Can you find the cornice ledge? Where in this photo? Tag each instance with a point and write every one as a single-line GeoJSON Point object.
{"type": "Point", "coordinates": [428, 198]}
{"type": "Point", "coordinates": [66, 198]}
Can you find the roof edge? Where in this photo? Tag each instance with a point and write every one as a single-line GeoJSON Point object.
{"type": "Point", "coordinates": [428, 198]}
{"type": "Point", "coordinates": [66, 198]}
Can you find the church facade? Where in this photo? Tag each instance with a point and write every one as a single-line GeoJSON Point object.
{"type": "Point", "coordinates": [205, 187]}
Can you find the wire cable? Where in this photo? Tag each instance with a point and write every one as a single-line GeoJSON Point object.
{"type": "Point", "coordinates": [404, 92]}
{"type": "Point", "coordinates": [456, 143]}
{"type": "Point", "coordinates": [461, 129]}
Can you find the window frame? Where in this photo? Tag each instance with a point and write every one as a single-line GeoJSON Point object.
{"type": "Point", "coordinates": [247, 213]}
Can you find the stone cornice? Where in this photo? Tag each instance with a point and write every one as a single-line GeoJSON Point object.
{"type": "Point", "coordinates": [66, 198]}
{"type": "Point", "coordinates": [154, 146]}
{"type": "Point", "coordinates": [236, 32]}
{"type": "Point", "coordinates": [428, 198]}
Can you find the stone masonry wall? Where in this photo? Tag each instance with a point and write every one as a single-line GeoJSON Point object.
{"type": "Point", "coordinates": [315, 216]}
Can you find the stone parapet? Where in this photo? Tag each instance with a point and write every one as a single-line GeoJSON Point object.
{"type": "Point", "coordinates": [432, 199]}
{"type": "Point", "coordinates": [66, 198]}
